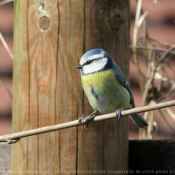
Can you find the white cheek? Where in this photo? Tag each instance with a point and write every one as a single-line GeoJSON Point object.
{"type": "Point", "coordinates": [95, 66]}
{"type": "Point", "coordinates": [90, 68]}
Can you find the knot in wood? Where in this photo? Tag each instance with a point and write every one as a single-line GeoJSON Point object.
{"type": "Point", "coordinates": [44, 22]}
{"type": "Point", "coordinates": [115, 22]}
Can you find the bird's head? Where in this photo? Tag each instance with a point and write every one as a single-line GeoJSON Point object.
{"type": "Point", "coordinates": [95, 60]}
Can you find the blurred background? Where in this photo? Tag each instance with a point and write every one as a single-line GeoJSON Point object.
{"type": "Point", "coordinates": [160, 27]}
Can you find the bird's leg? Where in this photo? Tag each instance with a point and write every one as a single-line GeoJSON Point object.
{"type": "Point", "coordinates": [86, 119]}
{"type": "Point", "coordinates": [118, 113]}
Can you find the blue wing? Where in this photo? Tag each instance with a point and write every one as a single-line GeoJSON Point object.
{"type": "Point", "coordinates": [119, 76]}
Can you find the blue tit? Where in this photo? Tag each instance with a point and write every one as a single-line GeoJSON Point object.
{"type": "Point", "coordinates": [105, 85]}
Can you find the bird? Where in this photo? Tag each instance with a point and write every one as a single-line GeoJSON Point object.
{"type": "Point", "coordinates": [105, 86]}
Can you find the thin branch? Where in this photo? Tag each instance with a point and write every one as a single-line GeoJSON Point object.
{"type": "Point", "coordinates": [166, 121]}
{"type": "Point", "coordinates": [152, 48]}
{"type": "Point", "coordinates": [171, 114]}
{"type": "Point", "coordinates": [13, 138]}
{"type": "Point", "coordinates": [134, 42]}
{"type": "Point", "coordinates": [163, 57]}
{"type": "Point", "coordinates": [6, 46]}
{"type": "Point", "coordinates": [163, 43]}
{"type": "Point", "coordinates": [6, 88]}
{"type": "Point", "coordinates": [143, 16]}
{"type": "Point", "coordinates": [2, 2]}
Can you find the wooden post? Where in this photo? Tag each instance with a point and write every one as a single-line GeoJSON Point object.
{"type": "Point", "coordinates": [50, 37]}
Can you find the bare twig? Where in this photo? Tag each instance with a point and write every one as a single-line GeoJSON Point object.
{"type": "Point", "coordinates": [12, 138]}
{"type": "Point", "coordinates": [134, 43]}
{"type": "Point", "coordinates": [163, 57]}
{"type": "Point", "coordinates": [7, 89]}
{"type": "Point", "coordinates": [2, 2]}
{"type": "Point", "coordinates": [6, 46]}
{"type": "Point", "coordinates": [156, 80]}
{"type": "Point", "coordinates": [171, 114]}
{"type": "Point", "coordinates": [152, 48]}
{"type": "Point", "coordinates": [143, 16]}
{"type": "Point", "coordinates": [165, 119]}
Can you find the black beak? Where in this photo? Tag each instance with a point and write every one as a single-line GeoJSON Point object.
{"type": "Point", "coordinates": [79, 66]}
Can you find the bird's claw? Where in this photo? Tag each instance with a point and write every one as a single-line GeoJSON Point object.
{"type": "Point", "coordinates": [81, 120]}
{"type": "Point", "coordinates": [86, 119]}
{"type": "Point", "coordinates": [118, 113]}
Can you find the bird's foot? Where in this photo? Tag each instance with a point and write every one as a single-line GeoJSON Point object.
{"type": "Point", "coordinates": [118, 113]}
{"type": "Point", "coordinates": [86, 119]}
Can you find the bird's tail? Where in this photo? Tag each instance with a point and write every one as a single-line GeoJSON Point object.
{"type": "Point", "coordinates": [139, 120]}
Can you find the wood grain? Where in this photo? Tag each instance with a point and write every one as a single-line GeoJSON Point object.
{"type": "Point", "coordinates": [105, 145]}
{"type": "Point", "coordinates": [50, 37]}
{"type": "Point", "coordinates": [34, 84]}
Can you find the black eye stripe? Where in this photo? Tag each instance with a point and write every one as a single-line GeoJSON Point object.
{"type": "Point", "coordinates": [90, 61]}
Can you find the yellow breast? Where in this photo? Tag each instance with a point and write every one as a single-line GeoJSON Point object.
{"type": "Point", "coordinates": [104, 92]}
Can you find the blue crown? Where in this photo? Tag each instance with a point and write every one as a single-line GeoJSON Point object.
{"type": "Point", "coordinates": [93, 52]}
